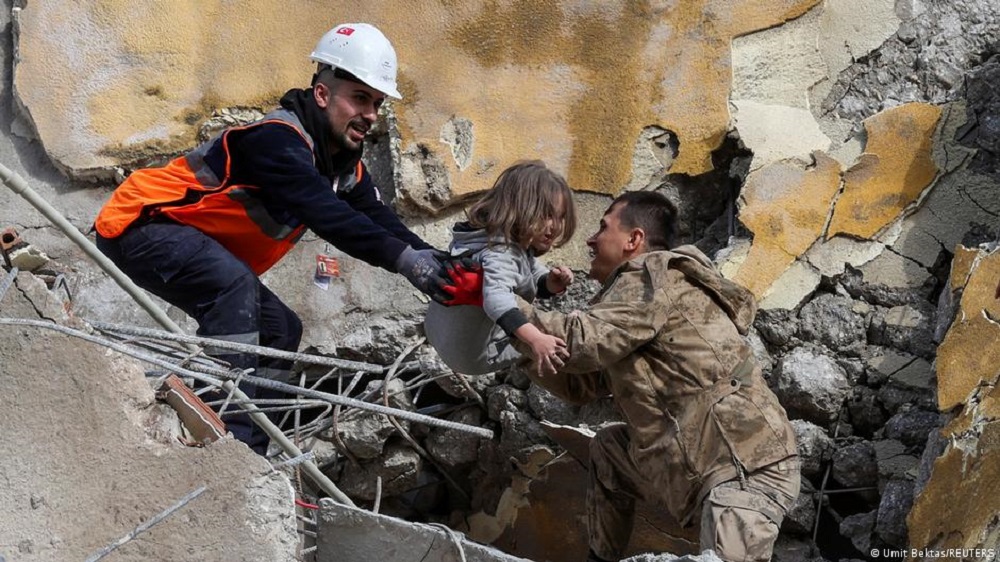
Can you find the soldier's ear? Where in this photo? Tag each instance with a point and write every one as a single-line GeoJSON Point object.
{"type": "Point", "coordinates": [636, 240]}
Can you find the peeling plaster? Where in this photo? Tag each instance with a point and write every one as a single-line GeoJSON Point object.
{"type": "Point", "coordinates": [851, 29]}
{"type": "Point", "coordinates": [894, 271]}
{"type": "Point", "coordinates": [653, 155]}
{"type": "Point", "coordinates": [887, 181]}
{"type": "Point", "coordinates": [969, 354]}
{"type": "Point", "coordinates": [830, 257]}
{"type": "Point", "coordinates": [776, 132]}
{"type": "Point", "coordinates": [892, 173]}
{"type": "Point", "coordinates": [777, 66]}
{"type": "Point", "coordinates": [962, 265]}
{"type": "Point", "coordinates": [784, 223]}
{"type": "Point", "coordinates": [792, 288]}
{"type": "Point", "coordinates": [773, 71]}
{"type": "Point", "coordinates": [457, 133]}
{"type": "Point", "coordinates": [536, 80]}
{"type": "Point", "coordinates": [959, 503]}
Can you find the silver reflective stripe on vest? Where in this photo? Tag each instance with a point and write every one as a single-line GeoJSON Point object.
{"type": "Point", "coordinates": [196, 158]}
{"type": "Point", "coordinates": [292, 119]}
{"type": "Point", "coordinates": [202, 172]}
{"type": "Point", "coordinates": [259, 215]}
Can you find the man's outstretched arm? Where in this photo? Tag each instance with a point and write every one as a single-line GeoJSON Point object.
{"type": "Point", "coordinates": [596, 339]}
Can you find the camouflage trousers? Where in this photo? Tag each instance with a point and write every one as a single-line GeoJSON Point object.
{"type": "Point", "coordinates": [740, 519]}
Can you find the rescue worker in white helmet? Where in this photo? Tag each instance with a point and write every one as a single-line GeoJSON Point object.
{"type": "Point", "coordinates": [199, 231]}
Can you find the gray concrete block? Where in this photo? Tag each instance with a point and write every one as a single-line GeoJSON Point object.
{"type": "Point", "coordinates": [348, 534]}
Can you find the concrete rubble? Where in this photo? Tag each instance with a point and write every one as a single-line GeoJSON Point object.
{"type": "Point", "coordinates": [91, 455]}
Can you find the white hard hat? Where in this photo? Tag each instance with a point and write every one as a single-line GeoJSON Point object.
{"type": "Point", "coordinates": [362, 50]}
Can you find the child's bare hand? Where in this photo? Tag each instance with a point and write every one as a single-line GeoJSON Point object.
{"type": "Point", "coordinates": [559, 279]}
{"type": "Point", "coordinates": [550, 353]}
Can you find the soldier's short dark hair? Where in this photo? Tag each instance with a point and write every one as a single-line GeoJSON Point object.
{"type": "Point", "coordinates": [653, 213]}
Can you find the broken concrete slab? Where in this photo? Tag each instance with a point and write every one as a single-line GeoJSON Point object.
{"type": "Point", "coordinates": [814, 446]}
{"type": "Point", "coordinates": [348, 534]}
{"type": "Point", "coordinates": [453, 448]}
{"type": "Point", "coordinates": [908, 328]}
{"type": "Point", "coordinates": [398, 467]}
{"type": "Point", "coordinates": [91, 455]}
{"type": "Point", "coordinates": [784, 223]}
{"type": "Point", "coordinates": [890, 525]}
{"type": "Point", "coordinates": [891, 280]}
{"type": "Point", "coordinates": [782, 132]}
{"type": "Point", "coordinates": [829, 257]}
{"type": "Point", "coordinates": [911, 385]}
{"type": "Point", "coordinates": [364, 432]}
{"type": "Point", "coordinates": [893, 462]}
{"type": "Point", "coordinates": [856, 465]}
{"type": "Point", "coordinates": [792, 288]}
{"type": "Point", "coordinates": [832, 320]}
{"type": "Point", "coordinates": [956, 505]}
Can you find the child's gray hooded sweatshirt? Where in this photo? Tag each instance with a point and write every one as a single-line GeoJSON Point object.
{"type": "Point", "coordinates": [474, 340]}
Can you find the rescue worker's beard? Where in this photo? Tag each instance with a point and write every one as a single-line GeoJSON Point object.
{"type": "Point", "coordinates": [342, 140]}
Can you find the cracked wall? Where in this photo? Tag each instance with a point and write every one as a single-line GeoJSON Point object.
{"type": "Point", "coordinates": [876, 191]}
{"type": "Point", "coordinates": [959, 504]}
{"type": "Point", "coordinates": [107, 83]}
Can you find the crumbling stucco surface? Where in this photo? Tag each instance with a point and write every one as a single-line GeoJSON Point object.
{"type": "Point", "coordinates": [959, 505]}
{"type": "Point", "coordinates": [891, 174]}
{"type": "Point", "coordinates": [784, 223]}
{"type": "Point", "coordinates": [969, 355]}
{"type": "Point", "coordinates": [885, 181]}
{"type": "Point", "coordinates": [107, 82]}
{"type": "Point", "coordinates": [89, 456]}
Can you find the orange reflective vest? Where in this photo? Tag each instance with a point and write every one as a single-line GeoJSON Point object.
{"type": "Point", "coordinates": [188, 192]}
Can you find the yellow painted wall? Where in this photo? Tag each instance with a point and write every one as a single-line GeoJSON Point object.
{"type": "Point", "coordinates": [958, 507]}
{"type": "Point", "coordinates": [107, 81]}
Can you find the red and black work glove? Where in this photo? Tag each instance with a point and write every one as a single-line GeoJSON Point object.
{"type": "Point", "coordinates": [466, 275]}
{"type": "Point", "coordinates": [425, 271]}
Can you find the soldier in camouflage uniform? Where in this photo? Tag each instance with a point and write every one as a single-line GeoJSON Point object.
{"type": "Point", "coordinates": [703, 433]}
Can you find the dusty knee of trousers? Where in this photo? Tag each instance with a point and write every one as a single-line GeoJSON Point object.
{"type": "Point", "coordinates": [740, 525]}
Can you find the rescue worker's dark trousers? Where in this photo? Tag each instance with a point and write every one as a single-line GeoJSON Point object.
{"type": "Point", "coordinates": [197, 275]}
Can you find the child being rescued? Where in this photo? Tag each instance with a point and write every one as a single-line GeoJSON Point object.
{"type": "Point", "coordinates": [528, 212]}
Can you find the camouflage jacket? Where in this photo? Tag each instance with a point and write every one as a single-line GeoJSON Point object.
{"type": "Point", "coordinates": [663, 338]}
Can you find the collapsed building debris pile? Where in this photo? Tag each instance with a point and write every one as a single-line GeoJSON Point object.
{"type": "Point", "coordinates": [853, 367]}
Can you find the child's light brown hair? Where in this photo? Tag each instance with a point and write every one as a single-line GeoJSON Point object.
{"type": "Point", "coordinates": [522, 198]}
